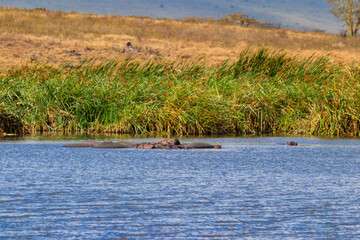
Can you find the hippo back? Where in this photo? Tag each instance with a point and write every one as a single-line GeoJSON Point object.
{"type": "Point", "coordinates": [199, 145]}
{"type": "Point", "coordinates": [84, 144]}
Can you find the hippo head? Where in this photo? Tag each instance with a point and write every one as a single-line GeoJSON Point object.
{"type": "Point", "coordinates": [174, 141]}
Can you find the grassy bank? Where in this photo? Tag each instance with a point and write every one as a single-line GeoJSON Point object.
{"type": "Point", "coordinates": [263, 92]}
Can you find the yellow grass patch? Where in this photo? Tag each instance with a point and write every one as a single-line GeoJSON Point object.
{"type": "Point", "coordinates": [58, 37]}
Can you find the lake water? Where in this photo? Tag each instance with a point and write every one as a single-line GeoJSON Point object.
{"type": "Point", "coordinates": [255, 188]}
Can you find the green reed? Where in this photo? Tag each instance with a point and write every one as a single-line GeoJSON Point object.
{"type": "Point", "coordinates": [263, 92]}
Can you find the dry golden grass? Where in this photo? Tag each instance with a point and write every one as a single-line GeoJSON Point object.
{"type": "Point", "coordinates": [57, 37]}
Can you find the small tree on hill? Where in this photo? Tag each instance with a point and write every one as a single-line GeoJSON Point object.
{"type": "Point", "coordinates": [347, 11]}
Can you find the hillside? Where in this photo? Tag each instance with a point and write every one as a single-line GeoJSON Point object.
{"type": "Point", "coordinates": [58, 37]}
{"type": "Point", "coordinates": [306, 14]}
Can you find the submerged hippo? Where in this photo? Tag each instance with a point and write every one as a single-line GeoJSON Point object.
{"type": "Point", "coordinates": [115, 145]}
{"type": "Point", "coordinates": [175, 144]}
{"type": "Point", "coordinates": [164, 144]}
{"type": "Point", "coordinates": [106, 144]}
{"type": "Point", "coordinates": [85, 144]}
{"type": "Point", "coordinates": [201, 145]}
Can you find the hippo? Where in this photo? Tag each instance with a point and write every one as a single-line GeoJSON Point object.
{"type": "Point", "coordinates": [291, 143]}
{"type": "Point", "coordinates": [145, 146]}
{"type": "Point", "coordinates": [164, 144]}
{"type": "Point", "coordinates": [106, 144]}
{"type": "Point", "coordinates": [201, 145]}
{"type": "Point", "coordinates": [175, 144]}
{"type": "Point", "coordinates": [85, 144]}
{"type": "Point", "coordinates": [115, 145]}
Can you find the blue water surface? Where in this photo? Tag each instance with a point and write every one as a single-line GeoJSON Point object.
{"type": "Point", "coordinates": [255, 188]}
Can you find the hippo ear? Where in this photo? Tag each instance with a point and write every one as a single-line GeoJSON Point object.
{"type": "Point", "coordinates": [176, 141]}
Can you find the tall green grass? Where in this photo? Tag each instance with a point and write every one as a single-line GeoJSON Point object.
{"type": "Point", "coordinates": [263, 92]}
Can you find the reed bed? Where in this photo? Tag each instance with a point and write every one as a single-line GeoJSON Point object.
{"type": "Point", "coordinates": [263, 92]}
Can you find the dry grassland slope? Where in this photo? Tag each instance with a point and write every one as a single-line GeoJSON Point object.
{"type": "Point", "coordinates": [57, 37]}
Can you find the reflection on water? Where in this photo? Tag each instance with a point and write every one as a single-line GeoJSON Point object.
{"type": "Point", "coordinates": [252, 188]}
